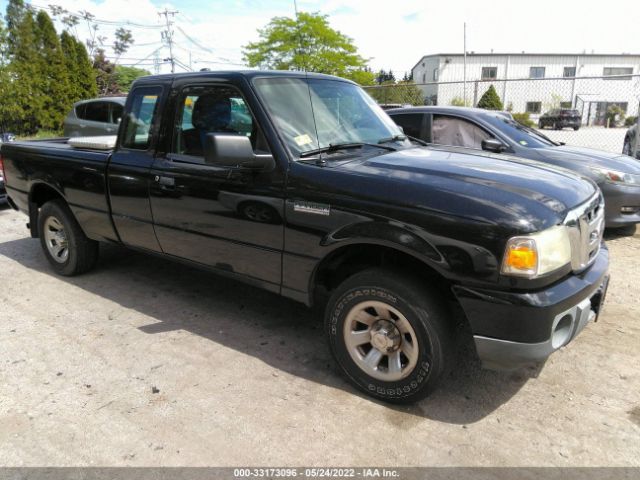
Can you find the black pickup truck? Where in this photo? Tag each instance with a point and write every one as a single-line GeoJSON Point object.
{"type": "Point", "coordinates": [300, 184]}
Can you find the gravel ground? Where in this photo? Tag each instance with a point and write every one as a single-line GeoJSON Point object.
{"type": "Point", "coordinates": [144, 362]}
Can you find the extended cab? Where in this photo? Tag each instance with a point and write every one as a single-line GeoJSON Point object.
{"type": "Point", "coordinates": [300, 184]}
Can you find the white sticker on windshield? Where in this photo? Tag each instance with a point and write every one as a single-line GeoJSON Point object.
{"type": "Point", "coordinates": [302, 140]}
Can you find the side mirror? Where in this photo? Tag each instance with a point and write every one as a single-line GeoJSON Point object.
{"type": "Point", "coordinates": [493, 145]}
{"type": "Point", "coordinates": [231, 150]}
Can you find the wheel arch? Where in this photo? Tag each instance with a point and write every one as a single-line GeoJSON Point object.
{"type": "Point", "coordinates": [39, 194]}
{"type": "Point", "coordinates": [349, 259]}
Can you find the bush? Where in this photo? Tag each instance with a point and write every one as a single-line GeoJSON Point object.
{"type": "Point", "coordinates": [490, 100]}
{"type": "Point", "coordinates": [524, 119]}
{"type": "Point", "coordinates": [614, 115]}
{"type": "Point", "coordinates": [630, 121]}
{"type": "Point", "coordinates": [457, 102]}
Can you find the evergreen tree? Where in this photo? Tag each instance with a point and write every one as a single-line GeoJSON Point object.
{"type": "Point", "coordinates": [86, 73]}
{"type": "Point", "coordinates": [490, 100]}
{"type": "Point", "coordinates": [54, 76]}
{"type": "Point", "coordinates": [25, 71]}
{"type": "Point", "coordinates": [68, 45]}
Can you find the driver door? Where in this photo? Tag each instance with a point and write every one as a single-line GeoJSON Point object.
{"type": "Point", "coordinates": [226, 218]}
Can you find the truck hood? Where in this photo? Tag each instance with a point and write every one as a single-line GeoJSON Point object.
{"type": "Point", "coordinates": [526, 195]}
{"type": "Point", "coordinates": [588, 157]}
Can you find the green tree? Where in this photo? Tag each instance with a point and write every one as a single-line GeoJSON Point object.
{"type": "Point", "coordinates": [88, 86]}
{"type": "Point", "coordinates": [490, 100]}
{"type": "Point", "coordinates": [126, 75]}
{"type": "Point", "coordinates": [306, 43]}
{"type": "Point", "coordinates": [68, 46]}
{"type": "Point", "coordinates": [24, 69]}
{"type": "Point", "coordinates": [54, 75]}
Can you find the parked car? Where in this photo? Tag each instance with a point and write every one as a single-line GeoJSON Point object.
{"type": "Point", "coordinates": [98, 116]}
{"type": "Point", "coordinates": [618, 176]}
{"type": "Point", "coordinates": [631, 145]}
{"type": "Point", "coordinates": [560, 118]}
{"type": "Point", "coordinates": [389, 236]}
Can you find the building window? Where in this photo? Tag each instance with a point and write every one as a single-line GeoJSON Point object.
{"type": "Point", "coordinates": [436, 74]}
{"type": "Point", "coordinates": [565, 105]}
{"type": "Point", "coordinates": [536, 72]}
{"type": "Point", "coordinates": [533, 107]}
{"type": "Point", "coordinates": [489, 73]}
{"type": "Point", "coordinates": [569, 72]}
{"type": "Point", "coordinates": [424, 78]}
{"type": "Point", "coordinates": [608, 71]}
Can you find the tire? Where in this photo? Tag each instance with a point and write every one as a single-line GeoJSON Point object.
{"type": "Point", "coordinates": [406, 315]}
{"type": "Point", "coordinates": [65, 245]}
{"type": "Point", "coordinates": [575, 129]}
{"type": "Point", "coordinates": [626, 148]}
{"type": "Point", "coordinates": [540, 125]}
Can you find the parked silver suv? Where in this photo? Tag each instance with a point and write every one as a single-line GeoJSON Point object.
{"type": "Point", "coordinates": [98, 116]}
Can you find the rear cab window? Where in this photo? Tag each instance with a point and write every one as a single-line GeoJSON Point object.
{"type": "Point", "coordinates": [142, 119]}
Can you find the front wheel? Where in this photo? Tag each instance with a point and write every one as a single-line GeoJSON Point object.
{"type": "Point", "coordinates": [65, 245]}
{"type": "Point", "coordinates": [389, 334]}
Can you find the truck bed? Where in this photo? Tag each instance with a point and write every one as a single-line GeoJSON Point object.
{"type": "Point", "coordinates": [77, 174]}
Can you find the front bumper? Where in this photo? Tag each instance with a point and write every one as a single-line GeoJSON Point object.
{"type": "Point", "coordinates": [615, 198]}
{"type": "Point", "coordinates": [512, 330]}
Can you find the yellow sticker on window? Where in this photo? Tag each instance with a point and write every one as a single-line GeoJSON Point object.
{"type": "Point", "coordinates": [303, 140]}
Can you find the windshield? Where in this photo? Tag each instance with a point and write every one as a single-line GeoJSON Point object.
{"type": "Point", "coordinates": [312, 114]}
{"type": "Point", "coordinates": [523, 136]}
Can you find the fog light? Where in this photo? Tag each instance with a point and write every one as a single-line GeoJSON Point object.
{"type": "Point", "coordinates": [629, 209]}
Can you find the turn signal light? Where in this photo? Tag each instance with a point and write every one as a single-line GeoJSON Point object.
{"type": "Point", "coordinates": [521, 256]}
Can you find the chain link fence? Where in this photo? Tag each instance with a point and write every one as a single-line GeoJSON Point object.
{"type": "Point", "coordinates": [601, 109]}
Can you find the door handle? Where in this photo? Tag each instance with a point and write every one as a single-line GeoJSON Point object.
{"type": "Point", "coordinates": [168, 184]}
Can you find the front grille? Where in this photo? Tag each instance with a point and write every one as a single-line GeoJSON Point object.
{"type": "Point", "coordinates": [586, 227]}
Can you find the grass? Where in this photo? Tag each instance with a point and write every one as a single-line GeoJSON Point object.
{"type": "Point", "coordinates": [41, 134]}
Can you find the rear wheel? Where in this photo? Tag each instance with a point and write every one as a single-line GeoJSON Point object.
{"type": "Point", "coordinates": [65, 245]}
{"type": "Point", "coordinates": [389, 335]}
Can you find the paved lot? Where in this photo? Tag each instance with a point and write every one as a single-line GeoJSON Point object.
{"type": "Point", "coordinates": [144, 362]}
{"type": "Point", "coordinates": [600, 138]}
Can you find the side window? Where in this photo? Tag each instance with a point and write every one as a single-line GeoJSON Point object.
{"type": "Point", "coordinates": [219, 109]}
{"type": "Point", "coordinates": [411, 123]}
{"type": "Point", "coordinates": [457, 132]}
{"type": "Point", "coordinates": [142, 109]}
{"type": "Point", "coordinates": [97, 112]}
{"type": "Point", "coordinates": [116, 113]}
{"type": "Point", "coordinates": [80, 110]}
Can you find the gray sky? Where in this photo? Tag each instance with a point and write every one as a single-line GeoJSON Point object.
{"type": "Point", "coordinates": [393, 34]}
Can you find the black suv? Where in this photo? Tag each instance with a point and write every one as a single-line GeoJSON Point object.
{"type": "Point", "coordinates": [561, 118]}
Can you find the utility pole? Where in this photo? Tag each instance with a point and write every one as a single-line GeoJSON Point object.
{"type": "Point", "coordinates": [464, 74]}
{"type": "Point", "coordinates": [167, 35]}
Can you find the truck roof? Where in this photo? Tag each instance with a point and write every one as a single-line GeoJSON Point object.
{"type": "Point", "coordinates": [248, 74]}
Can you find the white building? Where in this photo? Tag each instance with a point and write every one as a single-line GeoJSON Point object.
{"type": "Point", "coordinates": [534, 83]}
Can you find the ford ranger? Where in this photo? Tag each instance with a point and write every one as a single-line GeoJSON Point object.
{"type": "Point", "coordinates": [300, 184]}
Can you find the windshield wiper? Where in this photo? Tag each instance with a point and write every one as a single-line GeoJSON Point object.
{"type": "Point", "coordinates": [395, 138]}
{"type": "Point", "coordinates": [334, 147]}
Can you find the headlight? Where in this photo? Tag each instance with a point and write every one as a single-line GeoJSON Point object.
{"type": "Point", "coordinates": [537, 254]}
{"type": "Point", "coordinates": [615, 176]}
